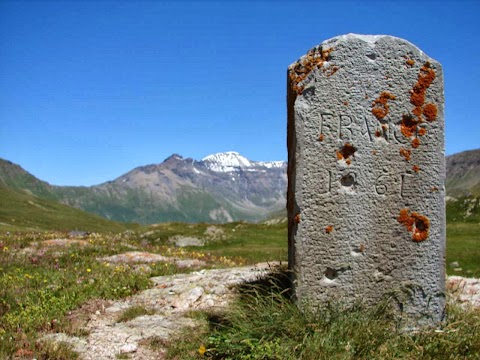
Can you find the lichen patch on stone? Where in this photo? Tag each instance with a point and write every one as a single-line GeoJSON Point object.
{"type": "Point", "coordinates": [346, 151]}
{"type": "Point", "coordinates": [298, 218]}
{"type": "Point", "coordinates": [408, 126]}
{"type": "Point", "coordinates": [405, 153]}
{"type": "Point", "coordinates": [415, 223]}
{"type": "Point", "coordinates": [430, 112]}
{"type": "Point", "coordinates": [314, 59]}
{"type": "Point", "coordinates": [380, 105]}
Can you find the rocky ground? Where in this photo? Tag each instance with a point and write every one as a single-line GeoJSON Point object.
{"type": "Point", "coordinates": [169, 299]}
{"type": "Point", "coordinates": [97, 332]}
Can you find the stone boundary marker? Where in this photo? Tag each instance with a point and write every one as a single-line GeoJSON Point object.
{"type": "Point", "coordinates": [366, 175]}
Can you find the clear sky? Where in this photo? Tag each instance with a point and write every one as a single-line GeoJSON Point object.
{"type": "Point", "coordinates": [91, 89]}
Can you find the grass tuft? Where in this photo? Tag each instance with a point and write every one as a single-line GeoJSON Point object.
{"type": "Point", "coordinates": [133, 312]}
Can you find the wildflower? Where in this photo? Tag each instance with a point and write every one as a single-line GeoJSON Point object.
{"type": "Point", "coordinates": [89, 270]}
{"type": "Point", "coordinates": [5, 248]}
{"type": "Point", "coordinates": [202, 350]}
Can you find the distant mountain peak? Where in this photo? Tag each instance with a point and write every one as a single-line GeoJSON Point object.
{"type": "Point", "coordinates": [231, 161]}
{"type": "Point", "coordinates": [174, 157]}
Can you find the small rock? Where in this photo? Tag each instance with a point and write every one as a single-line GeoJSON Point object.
{"type": "Point", "coordinates": [454, 264]}
{"type": "Point", "coordinates": [128, 348]}
{"type": "Point", "coordinates": [457, 269]}
{"type": "Point", "coordinates": [135, 257]}
{"type": "Point", "coordinates": [189, 263]}
{"type": "Point", "coordinates": [182, 241]}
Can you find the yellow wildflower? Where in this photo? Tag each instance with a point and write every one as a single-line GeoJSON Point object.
{"type": "Point", "coordinates": [202, 350]}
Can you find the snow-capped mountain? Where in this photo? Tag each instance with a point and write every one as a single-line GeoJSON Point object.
{"type": "Point", "coordinates": [219, 188]}
{"type": "Point", "coordinates": [232, 161]}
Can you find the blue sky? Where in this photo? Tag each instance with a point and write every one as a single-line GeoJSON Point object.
{"type": "Point", "coordinates": [91, 89]}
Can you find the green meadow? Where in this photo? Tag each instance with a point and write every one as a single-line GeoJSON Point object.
{"type": "Point", "coordinates": [40, 285]}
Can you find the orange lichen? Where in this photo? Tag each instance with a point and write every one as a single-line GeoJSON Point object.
{"type": "Point", "coordinates": [410, 62]}
{"type": "Point", "coordinates": [425, 79]}
{"type": "Point", "coordinates": [405, 153]}
{"type": "Point", "coordinates": [314, 59]}
{"type": "Point", "coordinates": [430, 112]}
{"type": "Point", "coordinates": [374, 152]}
{"type": "Point", "coordinates": [408, 125]}
{"type": "Point", "coordinates": [417, 94]}
{"type": "Point", "coordinates": [361, 248]}
{"type": "Point", "coordinates": [415, 168]}
{"type": "Point", "coordinates": [378, 133]}
{"type": "Point", "coordinates": [346, 151]}
{"type": "Point", "coordinates": [345, 103]}
{"type": "Point", "coordinates": [297, 218]}
{"type": "Point", "coordinates": [405, 219]}
{"type": "Point", "coordinates": [417, 99]}
{"type": "Point", "coordinates": [380, 106]}
{"type": "Point", "coordinates": [434, 188]}
{"type": "Point", "coordinates": [321, 137]}
{"type": "Point", "coordinates": [348, 162]}
{"type": "Point", "coordinates": [328, 229]}
{"type": "Point", "coordinates": [418, 224]}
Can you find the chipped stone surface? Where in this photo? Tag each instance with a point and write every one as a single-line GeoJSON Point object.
{"type": "Point", "coordinates": [366, 174]}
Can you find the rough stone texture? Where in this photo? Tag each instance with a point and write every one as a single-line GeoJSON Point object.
{"type": "Point", "coordinates": [366, 175]}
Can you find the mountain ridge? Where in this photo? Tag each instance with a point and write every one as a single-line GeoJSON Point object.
{"type": "Point", "coordinates": [219, 188]}
{"type": "Point", "coordinates": [463, 173]}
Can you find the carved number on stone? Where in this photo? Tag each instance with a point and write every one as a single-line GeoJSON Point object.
{"type": "Point", "coordinates": [381, 184]}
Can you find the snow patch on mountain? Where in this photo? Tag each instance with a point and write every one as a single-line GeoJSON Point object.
{"type": "Point", "coordinates": [232, 161]}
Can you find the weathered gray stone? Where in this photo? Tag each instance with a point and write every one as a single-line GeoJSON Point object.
{"type": "Point", "coordinates": [366, 175]}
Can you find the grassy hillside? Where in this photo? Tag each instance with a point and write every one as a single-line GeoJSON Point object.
{"type": "Point", "coordinates": [22, 211]}
{"type": "Point", "coordinates": [14, 177]}
{"type": "Point", "coordinates": [463, 174]}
